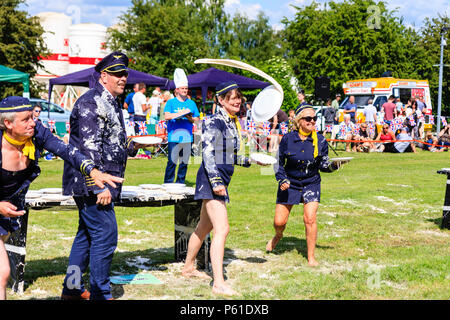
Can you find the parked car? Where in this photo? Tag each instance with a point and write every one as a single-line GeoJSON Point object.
{"type": "Point", "coordinates": [51, 111]}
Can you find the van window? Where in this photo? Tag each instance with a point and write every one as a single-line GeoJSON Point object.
{"type": "Point", "coordinates": [360, 100]}
{"type": "Point", "coordinates": [379, 101]}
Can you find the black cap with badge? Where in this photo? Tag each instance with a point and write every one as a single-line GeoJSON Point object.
{"type": "Point", "coordinates": [112, 63]}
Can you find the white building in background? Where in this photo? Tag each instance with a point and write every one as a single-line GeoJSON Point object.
{"type": "Point", "coordinates": [87, 45]}
{"type": "Point", "coordinates": [73, 47]}
{"type": "Point", "coordinates": [56, 38]}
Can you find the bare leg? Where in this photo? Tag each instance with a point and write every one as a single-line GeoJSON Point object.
{"type": "Point", "coordinates": [4, 268]}
{"type": "Point", "coordinates": [279, 223]}
{"type": "Point", "coordinates": [217, 213]}
{"type": "Point", "coordinates": [309, 218]}
{"type": "Point", "coordinates": [204, 227]}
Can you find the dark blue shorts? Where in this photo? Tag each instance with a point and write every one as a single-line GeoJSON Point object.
{"type": "Point", "coordinates": [8, 225]}
{"type": "Point", "coordinates": [295, 195]}
{"type": "Point", "coordinates": [203, 189]}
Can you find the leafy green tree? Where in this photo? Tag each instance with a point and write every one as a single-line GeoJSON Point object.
{"type": "Point", "coordinates": [161, 36]}
{"type": "Point", "coordinates": [429, 47]}
{"type": "Point", "coordinates": [251, 40]}
{"type": "Point", "coordinates": [21, 45]}
{"type": "Point", "coordinates": [353, 39]}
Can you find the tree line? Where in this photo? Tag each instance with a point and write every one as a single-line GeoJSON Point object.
{"type": "Point", "coordinates": [352, 39]}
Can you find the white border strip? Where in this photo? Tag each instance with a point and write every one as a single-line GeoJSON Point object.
{"type": "Point", "coordinates": [16, 249]}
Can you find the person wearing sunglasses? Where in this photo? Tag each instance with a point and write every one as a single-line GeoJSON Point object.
{"type": "Point", "coordinates": [301, 155]}
{"type": "Point", "coordinates": [347, 131]}
{"type": "Point", "coordinates": [97, 129]}
{"type": "Point", "coordinates": [37, 112]}
{"type": "Point", "coordinates": [364, 137]}
{"type": "Point", "coordinates": [386, 137]}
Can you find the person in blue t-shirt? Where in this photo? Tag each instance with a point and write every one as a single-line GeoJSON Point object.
{"type": "Point", "coordinates": [350, 108]}
{"type": "Point", "coordinates": [128, 104]}
{"type": "Point", "coordinates": [179, 129]}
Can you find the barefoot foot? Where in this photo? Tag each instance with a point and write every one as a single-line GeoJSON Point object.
{"type": "Point", "coordinates": [194, 273]}
{"type": "Point", "coordinates": [224, 290]}
{"type": "Point", "coordinates": [272, 243]}
{"type": "Point", "coordinates": [312, 263]}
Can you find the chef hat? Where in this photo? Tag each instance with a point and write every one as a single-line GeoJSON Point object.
{"type": "Point", "coordinates": [180, 78]}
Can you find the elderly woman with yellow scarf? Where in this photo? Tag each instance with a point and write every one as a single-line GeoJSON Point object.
{"type": "Point", "coordinates": [302, 154]}
{"type": "Point", "coordinates": [22, 141]}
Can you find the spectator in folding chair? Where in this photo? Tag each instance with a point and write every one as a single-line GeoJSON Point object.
{"type": "Point", "coordinates": [364, 137]}
{"type": "Point", "coordinates": [347, 131]}
{"type": "Point", "coordinates": [444, 138]}
{"type": "Point", "coordinates": [430, 142]}
{"type": "Point", "coordinates": [22, 141]}
{"type": "Point", "coordinates": [387, 138]}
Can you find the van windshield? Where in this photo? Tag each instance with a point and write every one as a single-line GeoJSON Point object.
{"type": "Point", "coordinates": [360, 100]}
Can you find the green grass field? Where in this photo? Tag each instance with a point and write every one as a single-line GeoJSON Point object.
{"type": "Point", "coordinates": [378, 236]}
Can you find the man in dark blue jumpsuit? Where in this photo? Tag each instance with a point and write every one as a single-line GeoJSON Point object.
{"type": "Point", "coordinates": [98, 131]}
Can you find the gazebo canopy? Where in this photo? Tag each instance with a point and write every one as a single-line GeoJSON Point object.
{"type": "Point", "coordinates": [11, 75]}
{"type": "Point", "coordinates": [88, 78]}
{"type": "Point", "coordinates": [211, 77]}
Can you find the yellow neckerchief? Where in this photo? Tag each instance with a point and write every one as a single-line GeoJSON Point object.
{"type": "Point", "coordinates": [238, 127]}
{"type": "Point", "coordinates": [313, 135]}
{"type": "Point", "coordinates": [28, 150]}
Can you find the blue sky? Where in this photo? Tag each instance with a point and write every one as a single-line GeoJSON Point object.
{"type": "Point", "coordinates": [106, 11]}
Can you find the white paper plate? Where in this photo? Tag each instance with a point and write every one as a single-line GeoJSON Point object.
{"type": "Point", "coordinates": [51, 191]}
{"type": "Point", "coordinates": [128, 195]}
{"type": "Point", "coordinates": [186, 112]}
{"type": "Point", "coordinates": [151, 186]}
{"type": "Point", "coordinates": [173, 185]}
{"type": "Point", "coordinates": [263, 158]}
{"type": "Point", "coordinates": [131, 188]}
{"type": "Point", "coordinates": [147, 140]}
{"type": "Point", "coordinates": [266, 104]}
{"type": "Point", "coordinates": [55, 197]}
{"type": "Point", "coordinates": [176, 191]}
{"type": "Point", "coordinates": [342, 159]}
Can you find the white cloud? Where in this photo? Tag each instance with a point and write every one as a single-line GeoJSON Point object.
{"type": "Point", "coordinates": [250, 10]}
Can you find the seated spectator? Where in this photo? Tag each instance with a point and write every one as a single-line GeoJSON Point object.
{"type": "Point", "coordinates": [366, 145]}
{"type": "Point", "coordinates": [444, 138]}
{"type": "Point", "coordinates": [402, 144]}
{"type": "Point", "coordinates": [387, 137]}
{"type": "Point", "coordinates": [430, 142]}
{"type": "Point", "coordinates": [347, 132]}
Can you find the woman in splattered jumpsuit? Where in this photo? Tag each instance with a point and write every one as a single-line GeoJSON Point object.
{"type": "Point", "coordinates": [302, 154]}
{"type": "Point", "coordinates": [221, 142]}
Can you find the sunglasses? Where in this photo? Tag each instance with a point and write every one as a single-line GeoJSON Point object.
{"type": "Point", "coordinates": [118, 74]}
{"type": "Point", "coordinates": [37, 111]}
{"type": "Point", "coordinates": [309, 119]}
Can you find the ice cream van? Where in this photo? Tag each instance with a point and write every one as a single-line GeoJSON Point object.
{"type": "Point", "coordinates": [379, 89]}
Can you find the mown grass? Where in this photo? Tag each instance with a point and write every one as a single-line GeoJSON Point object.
{"type": "Point", "coordinates": [378, 236]}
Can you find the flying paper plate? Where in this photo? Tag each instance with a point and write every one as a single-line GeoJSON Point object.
{"type": "Point", "coordinates": [266, 104]}
{"type": "Point", "coordinates": [147, 140]}
{"type": "Point", "coordinates": [263, 158]}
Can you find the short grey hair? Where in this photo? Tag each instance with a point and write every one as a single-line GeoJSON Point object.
{"type": "Point", "coordinates": [10, 116]}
